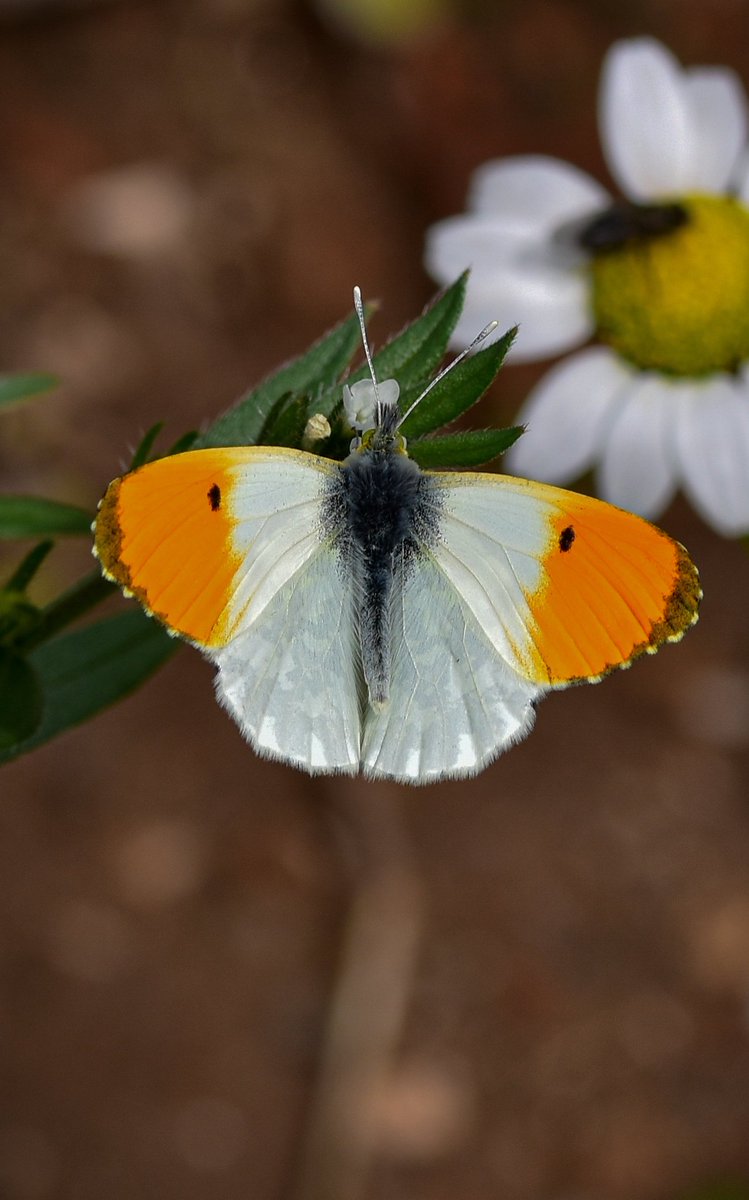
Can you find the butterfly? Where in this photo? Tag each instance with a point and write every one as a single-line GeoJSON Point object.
{"type": "Point", "coordinates": [366, 616]}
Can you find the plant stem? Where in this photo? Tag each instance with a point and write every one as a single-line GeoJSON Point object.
{"type": "Point", "coordinates": [368, 1004]}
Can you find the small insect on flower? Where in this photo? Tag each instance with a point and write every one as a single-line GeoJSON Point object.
{"type": "Point", "coordinates": [368, 616]}
{"type": "Point", "coordinates": [625, 222]}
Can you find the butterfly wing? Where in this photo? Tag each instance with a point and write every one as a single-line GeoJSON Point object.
{"type": "Point", "coordinates": [289, 680]}
{"type": "Point", "coordinates": [228, 547]}
{"type": "Point", "coordinates": [454, 703]}
{"type": "Point", "coordinates": [526, 588]}
{"type": "Point", "coordinates": [565, 587]}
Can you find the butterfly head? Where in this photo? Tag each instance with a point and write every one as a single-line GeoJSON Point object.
{"type": "Point", "coordinates": [372, 407]}
{"type": "Point", "coordinates": [372, 412]}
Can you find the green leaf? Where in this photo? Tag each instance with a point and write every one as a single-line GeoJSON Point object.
{"type": "Point", "coordinates": [20, 700]}
{"type": "Point", "coordinates": [459, 389]}
{"type": "Point", "coordinates": [470, 449]}
{"type": "Point", "coordinates": [413, 355]}
{"type": "Point", "coordinates": [85, 671]}
{"type": "Point", "coordinates": [286, 424]}
{"type": "Point", "coordinates": [311, 373]}
{"type": "Point", "coordinates": [186, 442]}
{"type": "Point", "coordinates": [19, 618]}
{"type": "Point", "coordinates": [14, 388]}
{"type": "Point", "coordinates": [32, 516]}
{"type": "Point", "coordinates": [143, 452]}
{"type": "Point", "coordinates": [28, 567]}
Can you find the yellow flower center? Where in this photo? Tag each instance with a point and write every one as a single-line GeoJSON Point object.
{"type": "Point", "coordinates": [679, 302]}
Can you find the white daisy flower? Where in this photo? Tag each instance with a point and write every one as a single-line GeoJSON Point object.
{"type": "Point", "coordinates": [661, 280]}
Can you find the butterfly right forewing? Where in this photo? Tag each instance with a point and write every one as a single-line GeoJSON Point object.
{"type": "Point", "coordinates": [564, 586]}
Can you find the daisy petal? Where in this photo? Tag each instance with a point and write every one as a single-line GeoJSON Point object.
{"type": "Point", "coordinates": [534, 193]}
{"type": "Point", "coordinates": [514, 279]}
{"type": "Point", "coordinates": [567, 414]}
{"type": "Point", "coordinates": [490, 245]}
{"type": "Point", "coordinates": [549, 305]}
{"type": "Point", "coordinates": [741, 181]}
{"type": "Point", "coordinates": [719, 125]}
{"type": "Point", "coordinates": [637, 470]}
{"type": "Point", "coordinates": [480, 243]}
{"type": "Point", "coordinates": [645, 119]}
{"type": "Point", "coordinates": [712, 446]}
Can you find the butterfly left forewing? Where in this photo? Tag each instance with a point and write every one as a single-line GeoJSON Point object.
{"type": "Point", "coordinates": [204, 539]}
{"type": "Point", "coordinates": [564, 586]}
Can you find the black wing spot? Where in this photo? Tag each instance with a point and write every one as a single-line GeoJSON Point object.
{"type": "Point", "coordinates": [214, 497]}
{"type": "Point", "coordinates": [566, 538]}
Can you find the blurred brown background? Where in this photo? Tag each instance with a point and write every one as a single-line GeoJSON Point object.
{"type": "Point", "coordinates": [220, 978]}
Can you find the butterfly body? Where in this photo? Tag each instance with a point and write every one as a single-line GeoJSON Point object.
{"type": "Point", "coordinates": [386, 513]}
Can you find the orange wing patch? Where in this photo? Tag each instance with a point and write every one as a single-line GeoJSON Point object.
{"type": "Point", "coordinates": [613, 587]}
{"type": "Point", "coordinates": [164, 534]}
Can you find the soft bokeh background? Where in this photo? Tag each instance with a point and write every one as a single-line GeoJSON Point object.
{"type": "Point", "coordinates": [222, 978]}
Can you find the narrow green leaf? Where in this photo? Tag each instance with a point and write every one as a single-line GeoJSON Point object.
{"type": "Point", "coordinates": [413, 355]}
{"type": "Point", "coordinates": [459, 389]}
{"type": "Point", "coordinates": [143, 452]}
{"type": "Point", "coordinates": [85, 671]}
{"type": "Point", "coordinates": [14, 388]}
{"type": "Point", "coordinates": [186, 442]}
{"type": "Point", "coordinates": [470, 449]}
{"type": "Point", "coordinates": [33, 516]}
{"type": "Point", "coordinates": [28, 567]}
{"type": "Point", "coordinates": [20, 700]}
{"type": "Point", "coordinates": [311, 373]}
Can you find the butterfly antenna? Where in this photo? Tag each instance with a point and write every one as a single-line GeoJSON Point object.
{"type": "Point", "coordinates": [485, 332]}
{"type": "Point", "coordinates": [359, 306]}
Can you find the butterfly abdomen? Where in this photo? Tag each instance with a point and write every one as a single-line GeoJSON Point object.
{"type": "Point", "coordinates": [381, 507]}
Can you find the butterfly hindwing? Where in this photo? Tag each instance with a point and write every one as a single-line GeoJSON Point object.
{"type": "Point", "coordinates": [289, 679]}
{"type": "Point", "coordinates": [454, 703]}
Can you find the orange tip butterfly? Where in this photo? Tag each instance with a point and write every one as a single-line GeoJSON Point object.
{"type": "Point", "coordinates": [368, 616]}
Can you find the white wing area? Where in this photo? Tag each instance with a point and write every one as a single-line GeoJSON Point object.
{"type": "Point", "coordinates": [276, 505]}
{"type": "Point", "coordinates": [492, 536]}
{"type": "Point", "coordinates": [454, 703]}
{"type": "Point", "coordinates": [289, 679]}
